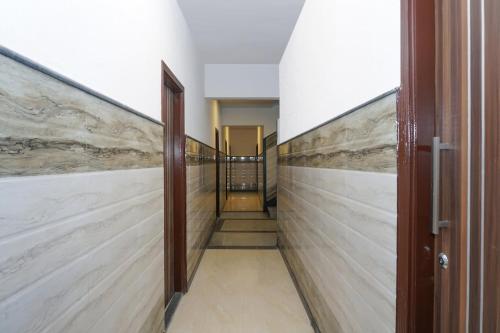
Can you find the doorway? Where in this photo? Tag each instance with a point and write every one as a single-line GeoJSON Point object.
{"type": "Point", "coordinates": [245, 176]}
{"type": "Point", "coordinates": [172, 107]}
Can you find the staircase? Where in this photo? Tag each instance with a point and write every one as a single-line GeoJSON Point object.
{"type": "Point", "coordinates": [244, 230]}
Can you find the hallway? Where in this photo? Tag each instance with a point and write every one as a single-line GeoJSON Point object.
{"type": "Point", "coordinates": [242, 284]}
{"type": "Point", "coordinates": [249, 166]}
{"type": "Point", "coordinates": [241, 291]}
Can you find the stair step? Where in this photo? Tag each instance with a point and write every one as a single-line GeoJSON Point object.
{"type": "Point", "coordinates": [244, 215]}
{"type": "Point", "coordinates": [221, 239]}
{"type": "Point", "coordinates": [249, 225]}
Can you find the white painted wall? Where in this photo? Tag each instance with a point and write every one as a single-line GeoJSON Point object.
{"type": "Point", "coordinates": [247, 115]}
{"type": "Point", "coordinates": [114, 47]}
{"type": "Point", "coordinates": [241, 81]}
{"type": "Point", "coordinates": [342, 53]}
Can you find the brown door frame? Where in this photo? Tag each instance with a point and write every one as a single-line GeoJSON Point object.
{"type": "Point", "coordinates": [484, 308]}
{"type": "Point", "coordinates": [491, 246]}
{"type": "Point", "coordinates": [476, 155]}
{"type": "Point", "coordinates": [491, 129]}
{"type": "Point", "coordinates": [217, 173]}
{"type": "Point", "coordinates": [168, 79]}
{"type": "Point", "coordinates": [416, 116]}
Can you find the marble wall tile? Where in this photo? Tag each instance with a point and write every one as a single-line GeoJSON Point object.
{"type": "Point", "coordinates": [337, 214]}
{"type": "Point", "coordinates": [379, 261]}
{"type": "Point", "coordinates": [200, 202]}
{"type": "Point", "coordinates": [318, 306]}
{"type": "Point", "coordinates": [49, 127]}
{"type": "Point", "coordinates": [364, 139]}
{"type": "Point", "coordinates": [376, 225]}
{"type": "Point", "coordinates": [31, 256]}
{"type": "Point", "coordinates": [260, 180]}
{"type": "Point", "coordinates": [81, 238]}
{"type": "Point", "coordinates": [34, 307]}
{"type": "Point", "coordinates": [32, 202]}
{"type": "Point", "coordinates": [271, 166]}
{"type": "Point", "coordinates": [377, 190]}
{"type": "Point", "coordinates": [82, 314]}
{"type": "Point", "coordinates": [223, 181]}
{"type": "Point", "coordinates": [131, 310]}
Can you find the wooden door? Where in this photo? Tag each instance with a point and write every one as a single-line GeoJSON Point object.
{"type": "Point", "coordinates": [450, 166]}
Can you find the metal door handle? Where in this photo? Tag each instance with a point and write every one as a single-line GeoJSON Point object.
{"type": "Point", "coordinates": [437, 146]}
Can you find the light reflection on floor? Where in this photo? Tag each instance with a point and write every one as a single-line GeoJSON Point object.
{"type": "Point", "coordinates": [243, 202]}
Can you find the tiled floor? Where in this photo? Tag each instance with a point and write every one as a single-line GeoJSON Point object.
{"type": "Point", "coordinates": [249, 225]}
{"type": "Point", "coordinates": [243, 201]}
{"type": "Point", "coordinates": [241, 291]}
{"type": "Point", "coordinates": [245, 231]}
{"type": "Point", "coordinates": [244, 216]}
{"type": "Point", "coordinates": [243, 239]}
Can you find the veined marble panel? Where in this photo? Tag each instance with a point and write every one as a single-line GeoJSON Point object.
{"type": "Point", "coordinates": [35, 307]}
{"type": "Point", "coordinates": [81, 238]}
{"type": "Point", "coordinates": [80, 316]}
{"type": "Point", "coordinates": [49, 127]}
{"type": "Point", "coordinates": [374, 189]}
{"type": "Point", "coordinates": [376, 225]}
{"type": "Point", "coordinates": [29, 257]}
{"type": "Point", "coordinates": [271, 166]}
{"type": "Point", "coordinates": [364, 139]}
{"type": "Point", "coordinates": [223, 181]}
{"type": "Point", "coordinates": [33, 202]}
{"type": "Point", "coordinates": [131, 310]}
{"type": "Point", "coordinates": [376, 259]}
{"type": "Point", "coordinates": [337, 214]}
{"type": "Point", "coordinates": [200, 202]}
{"type": "Point", "coordinates": [260, 180]}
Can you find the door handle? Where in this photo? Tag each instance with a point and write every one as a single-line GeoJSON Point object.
{"type": "Point", "coordinates": [437, 147]}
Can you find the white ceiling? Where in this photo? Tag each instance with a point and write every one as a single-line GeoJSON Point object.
{"type": "Point", "coordinates": [241, 31]}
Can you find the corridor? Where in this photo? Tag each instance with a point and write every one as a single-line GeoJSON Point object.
{"type": "Point", "coordinates": [242, 284]}
{"type": "Point", "coordinates": [249, 166]}
{"type": "Point", "coordinates": [241, 291]}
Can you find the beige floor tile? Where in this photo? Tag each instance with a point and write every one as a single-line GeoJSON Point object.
{"type": "Point", "coordinates": [243, 201]}
{"type": "Point", "coordinates": [241, 291]}
{"type": "Point", "coordinates": [249, 225]}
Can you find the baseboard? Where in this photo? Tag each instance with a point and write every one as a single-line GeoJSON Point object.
{"type": "Point", "coordinates": [171, 307]}
{"type": "Point", "coordinates": [303, 299]}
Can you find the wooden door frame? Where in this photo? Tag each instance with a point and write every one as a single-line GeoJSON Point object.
{"type": "Point", "coordinates": [491, 130]}
{"type": "Point", "coordinates": [226, 154]}
{"type": "Point", "coordinates": [484, 304]}
{"type": "Point", "coordinates": [416, 117]}
{"type": "Point", "coordinates": [217, 172]}
{"type": "Point", "coordinates": [264, 174]}
{"type": "Point", "coordinates": [168, 79]}
{"type": "Point", "coordinates": [476, 155]}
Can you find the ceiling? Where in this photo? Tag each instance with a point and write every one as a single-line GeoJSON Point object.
{"type": "Point", "coordinates": [241, 31]}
